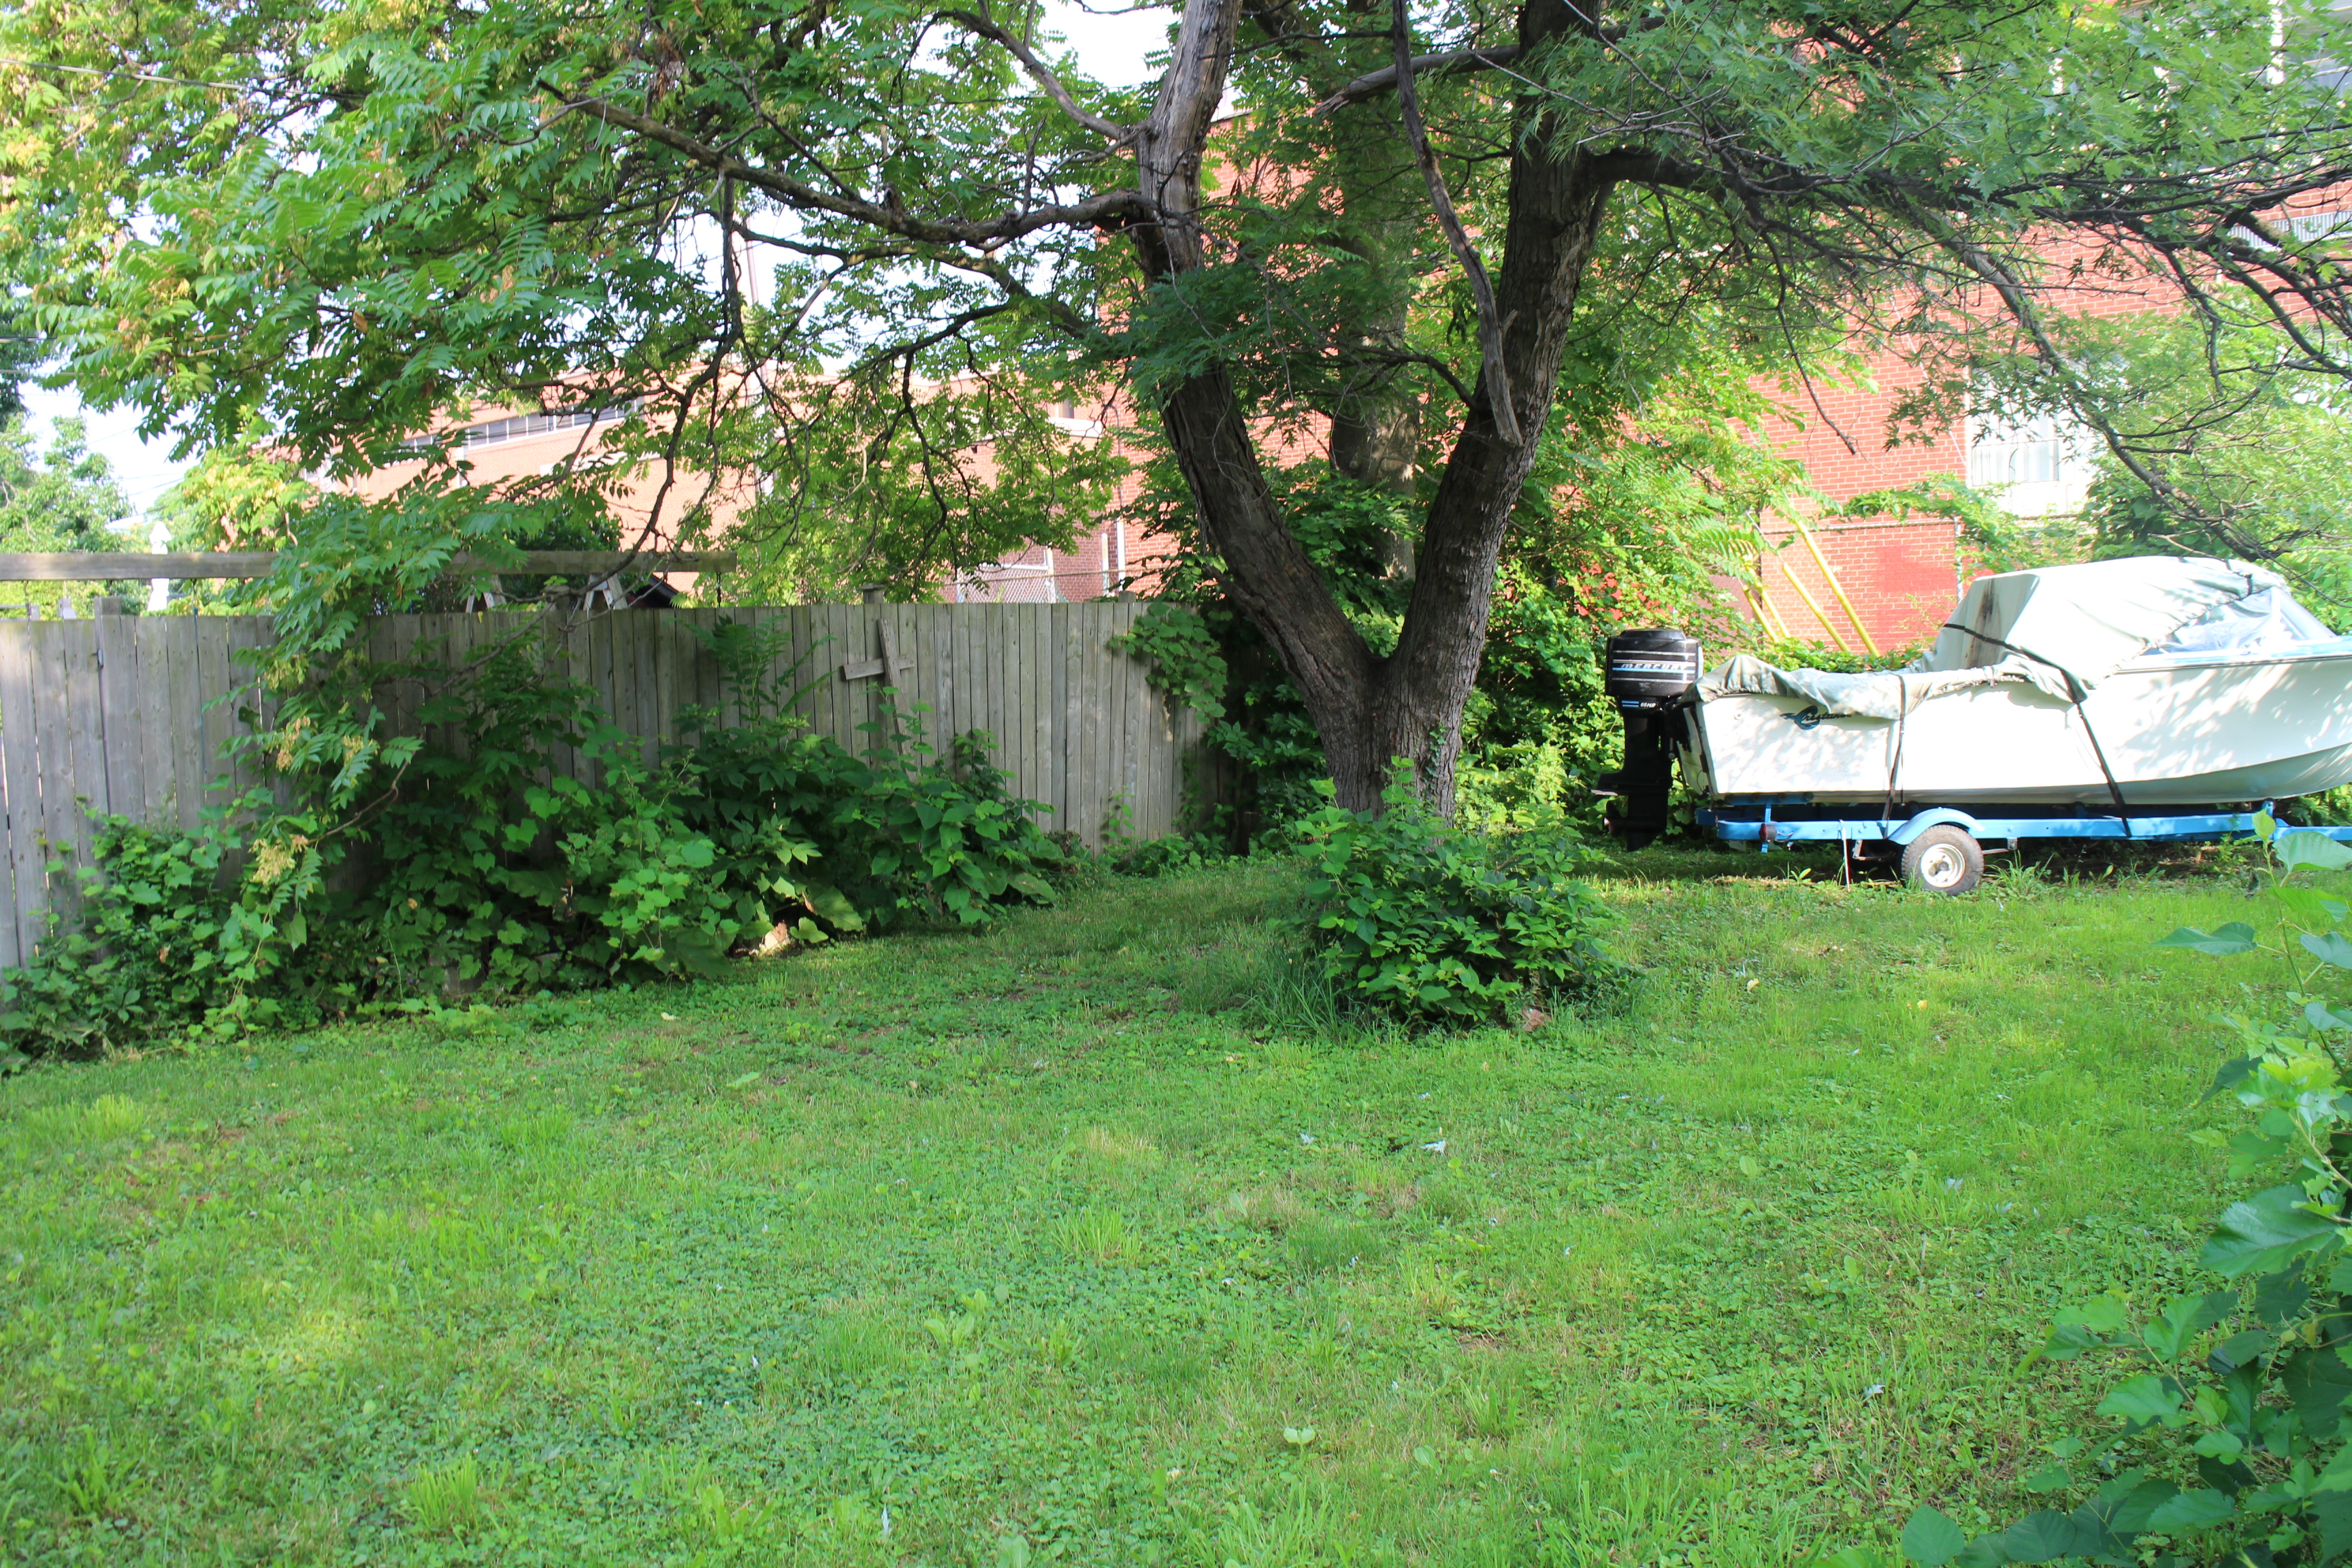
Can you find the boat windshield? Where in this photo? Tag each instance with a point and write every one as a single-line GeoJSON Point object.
{"type": "Point", "coordinates": [2266, 619]}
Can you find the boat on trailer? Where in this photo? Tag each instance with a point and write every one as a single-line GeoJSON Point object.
{"type": "Point", "coordinates": [2162, 698]}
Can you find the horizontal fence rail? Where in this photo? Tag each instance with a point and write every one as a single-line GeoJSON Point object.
{"type": "Point", "coordinates": [110, 566]}
{"type": "Point", "coordinates": [125, 713]}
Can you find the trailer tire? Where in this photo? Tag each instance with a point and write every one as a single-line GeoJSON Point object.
{"type": "Point", "coordinates": [1944, 859]}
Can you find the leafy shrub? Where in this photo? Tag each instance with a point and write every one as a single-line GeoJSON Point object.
{"type": "Point", "coordinates": [1181, 656]}
{"type": "Point", "coordinates": [1166, 856]}
{"type": "Point", "coordinates": [1431, 925]}
{"type": "Point", "coordinates": [158, 939]}
{"type": "Point", "coordinates": [939, 835]}
{"type": "Point", "coordinates": [2229, 1442]}
{"type": "Point", "coordinates": [902, 832]}
{"type": "Point", "coordinates": [1507, 787]}
{"type": "Point", "coordinates": [495, 867]}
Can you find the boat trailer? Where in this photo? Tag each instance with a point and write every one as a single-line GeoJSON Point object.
{"type": "Point", "coordinates": [1943, 846]}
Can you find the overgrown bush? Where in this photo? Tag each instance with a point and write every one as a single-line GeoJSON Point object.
{"type": "Point", "coordinates": [1429, 925]}
{"type": "Point", "coordinates": [1166, 856]}
{"type": "Point", "coordinates": [497, 866]}
{"type": "Point", "coordinates": [2229, 1435]}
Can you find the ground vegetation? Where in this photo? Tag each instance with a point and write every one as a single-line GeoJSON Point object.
{"type": "Point", "coordinates": [1057, 1242]}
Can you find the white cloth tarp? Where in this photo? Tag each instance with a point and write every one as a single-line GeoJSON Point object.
{"type": "Point", "coordinates": [2067, 628]}
{"type": "Point", "coordinates": [2087, 622]}
{"type": "Point", "coordinates": [1874, 694]}
{"type": "Point", "coordinates": [2266, 621]}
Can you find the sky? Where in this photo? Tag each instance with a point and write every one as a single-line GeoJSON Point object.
{"type": "Point", "coordinates": [1111, 40]}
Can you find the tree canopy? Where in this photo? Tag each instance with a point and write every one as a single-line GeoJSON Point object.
{"type": "Point", "coordinates": [857, 249]}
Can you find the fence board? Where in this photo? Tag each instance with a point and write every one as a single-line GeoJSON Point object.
{"type": "Point", "coordinates": [639, 632]}
{"type": "Point", "coordinates": [248, 632]}
{"type": "Point", "coordinates": [1032, 704]}
{"type": "Point", "coordinates": [931, 621]}
{"type": "Point", "coordinates": [20, 777]}
{"type": "Point", "coordinates": [61, 817]}
{"type": "Point", "coordinates": [183, 703]}
{"type": "Point", "coordinates": [215, 681]}
{"type": "Point", "coordinates": [832, 693]}
{"type": "Point", "coordinates": [922, 673]}
{"type": "Point", "coordinates": [1129, 733]}
{"type": "Point", "coordinates": [78, 657]}
{"type": "Point", "coordinates": [157, 800]}
{"type": "Point", "coordinates": [1066, 740]}
{"type": "Point", "coordinates": [1084, 819]}
{"type": "Point", "coordinates": [1102, 700]}
{"type": "Point", "coordinates": [995, 618]}
{"type": "Point", "coordinates": [123, 739]}
{"type": "Point", "coordinates": [960, 682]}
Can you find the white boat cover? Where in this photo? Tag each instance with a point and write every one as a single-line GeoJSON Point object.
{"type": "Point", "coordinates": [2063, 629]}
{"type": "Point", "coordinates": [2088, 621]}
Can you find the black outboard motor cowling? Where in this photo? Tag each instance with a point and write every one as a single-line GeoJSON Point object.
{"type": "Point", "coordinates": [1648, 671]}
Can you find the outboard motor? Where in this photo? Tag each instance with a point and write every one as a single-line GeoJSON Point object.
{"type": "Point", "coordinates": [1647, 671]}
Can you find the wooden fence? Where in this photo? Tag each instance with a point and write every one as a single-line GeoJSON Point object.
{"type": "Point", "coordinates": [118, 713]}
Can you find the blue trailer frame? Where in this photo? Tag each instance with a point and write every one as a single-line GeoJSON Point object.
{"type": "Point", "coordinates": [1751, 821]}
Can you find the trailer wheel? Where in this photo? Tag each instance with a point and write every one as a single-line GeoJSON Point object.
{"type": "Point", "coordinates": [1943, 860]}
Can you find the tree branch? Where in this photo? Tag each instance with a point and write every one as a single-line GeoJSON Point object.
{"type": "Point", "coordinates": [1494, 372]}
{"type": "Point", "coordinates": [1039, 73]}
{"type": "Point", "coordinates": [2014, 294]}
{"type": "Point", "coordinates": [1375, 83]}
{"type": "Point", "coordinates": [1110, 209]}
{"type": "Point", "coordinates": [1400, 358]}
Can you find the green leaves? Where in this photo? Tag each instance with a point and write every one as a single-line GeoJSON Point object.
{"type": "Point", "coordinates": [2316, 1381]}
{"type": "Point", "coordinates": [2266, 1233]}
{"type": "Point", "coordinates": [1931, 1540]}
{"type": "Point", "coordinates": [2301, 847]}
{"type": "Point", "coordinates": [2042, 1537]}
{"type": "Point", "coordinates": [2186, 1317]}
{"type": "Point", "coordinates": [496, 869]}
{"type": "Point", "coordinates": [2229, 940]}
{"type": "Point", "coordinates": [1432, 925]}
{"type": "Point", "coordinates": [1183, 655]}
{"type": "Point", "coordinates": [2147, 1398]}
{"type": "Point", "coordinates": [2258, 1416]}
{"type": "Point", "coordinates": [2093, 1324]}
{"type": "Point", "coordinates": [2199, 1510]}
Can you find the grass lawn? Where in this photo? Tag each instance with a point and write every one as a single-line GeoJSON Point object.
{"type": "Point", "coordinates": [1044, 1245]}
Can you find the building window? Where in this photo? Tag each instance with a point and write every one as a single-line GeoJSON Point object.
{"type": "Point", "coordinates": [2037, 466]}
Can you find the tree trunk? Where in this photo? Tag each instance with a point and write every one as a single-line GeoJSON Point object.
{"type": "Point", "coordinates": [1369, 711]}
{"type": "Point", "coordinates": [1376, 417]}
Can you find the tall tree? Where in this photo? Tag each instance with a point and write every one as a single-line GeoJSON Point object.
{"type": "Point", "coordinates": [345, 220]}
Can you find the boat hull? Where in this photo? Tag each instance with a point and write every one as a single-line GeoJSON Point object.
{"type": "Point", "coordinates": [2174, 732]}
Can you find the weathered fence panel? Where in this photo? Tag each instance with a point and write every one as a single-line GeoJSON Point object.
{"type": "Point", "coordinates": [133, 714]}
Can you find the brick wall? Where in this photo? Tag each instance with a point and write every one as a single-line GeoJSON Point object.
{"type": "Point", "coordinates": [1901, 578]}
